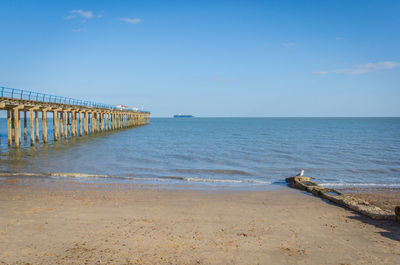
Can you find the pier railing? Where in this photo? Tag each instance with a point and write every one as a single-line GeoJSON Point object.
{"type": "Point", "coordinates": [21, 94]}
{"type": "Point", "coordinates": [15, 93]}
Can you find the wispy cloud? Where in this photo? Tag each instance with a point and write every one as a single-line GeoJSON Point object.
{"type": "Point", "coordinates": [79, 13]}
{"type": "Point", "coordinates": [82, 13]}
{"type": "Point", "coordinates": [369, 67]}
{"type": "Point", "coordinates": [322, 72]}
{"type": "Point", "coordinates": [221, 79]}
{"type": "Point", "coordinates": [79, 30]}
{"type": "Point", "coordinates": [363, 68]}
{"type": "Point", "coordinates": [130, 20]}
{"type": "Point", "coordinates": [288, 44]}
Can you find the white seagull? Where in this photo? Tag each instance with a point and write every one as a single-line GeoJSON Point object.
{"type": "Point", "coordinates": [300, 174]}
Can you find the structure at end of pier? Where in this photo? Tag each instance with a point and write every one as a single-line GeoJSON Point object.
{"type": "Point", "coordinates": [71, 117]}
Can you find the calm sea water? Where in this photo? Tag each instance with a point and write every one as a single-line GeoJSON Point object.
{"type": "Point", "coordinates": [232, 151]}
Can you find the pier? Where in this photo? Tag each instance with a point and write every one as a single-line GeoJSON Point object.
{"type": "Point", "coordinates": [71, 117]}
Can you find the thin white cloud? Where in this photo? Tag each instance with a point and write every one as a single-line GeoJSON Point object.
{"type": "Point", "coordinates": [80, 13]}
{"type": "Point", "coordinates": [321, 72]}
{"type": "Point", "coordinates": [130, 20]}
{"type": "Point", "coordinates": [288, 44]}
{"type": "Point", "coordinates": [363, 68]}
{"type": "Point", "coordinates": [70, 17]}
{"type": "Point", "coordinates": [369, 67]}
{"type": "Point", "coordinates": [221, 79]}
{"type": "Point", "coordinates": [79, 30]}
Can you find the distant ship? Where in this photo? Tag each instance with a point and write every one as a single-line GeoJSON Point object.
{"type": "Point", "coordinates": [183, 116]}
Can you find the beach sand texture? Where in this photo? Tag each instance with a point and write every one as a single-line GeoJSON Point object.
{"type": "Point", "coordinates": [73, 223]}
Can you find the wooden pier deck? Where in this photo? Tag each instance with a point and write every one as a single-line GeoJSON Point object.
{"type": "Point", "coordinates": [71, 117]}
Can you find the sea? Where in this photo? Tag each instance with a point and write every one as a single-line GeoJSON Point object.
{"type": "Point", "coordinates": [213, 153]}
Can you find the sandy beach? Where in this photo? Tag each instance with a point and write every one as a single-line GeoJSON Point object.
{"type": "Point", "coordinates": [62, 222]}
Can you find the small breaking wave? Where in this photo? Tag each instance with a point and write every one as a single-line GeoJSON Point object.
{"type": "Point", "coordinates": [6, 174]}
{"type": "Point", "coordinates": [227, 181]}
{"type": "Point", "coordinates": [214, 171]}
{"type": "Point", "coordinates": [161, 178]}
{"type": "Point", "coordinates": [194, 179]}
{"type": "Point", "coordinates": [55, 174]}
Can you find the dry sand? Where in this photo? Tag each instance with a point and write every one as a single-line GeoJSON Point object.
{"type": "Point", "coordinates": [73, 223]}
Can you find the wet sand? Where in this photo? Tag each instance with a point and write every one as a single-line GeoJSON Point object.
{"type": "Point", "coordinates": [62, 222]}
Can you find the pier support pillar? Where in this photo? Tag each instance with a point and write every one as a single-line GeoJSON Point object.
{"type": "Point", "coordinates": [37, 125]}
{"type": "Point", "coordinates": [112, 121]}
{"type": "Point", "coordinates": [80, 124]}
{"type": "Point", "coordinates": [32, 129]}
{"type": "Point", "coordinates": [73, 123]}
{"type": "Point", "coordinates": [98, 120]}
{"type": "Point", "coordinates": [65, 114]}
{"type": "Point", "coordinates": [85, 115]}
{"type": "Point", "coordinates": [32, 125]}
{"type": "Point", "coordinates": [12, 126]}
{"type": "Point", "coordinates": [61, 124]}
{"type": "Point", "coordinates": [9, 129]}
{"type": "Point", "coordinates": [55, 125]}
{"type": "Point", "coordinates": [95, 122]}
{"type": "Point", "coordinates": [102, 115]}
{"type": "Point", "coordinates": [17, 128]}
{"type": "Point", "coordinates": [44, 125]}
{"type": "Point", "coordinates": [102, 126]}
{"type": "Point", "coordinates": [69, 124]}
{"type": "Point", "coordinates": [109, 121]}
{"type": "Point", "coordinates": [76, 123]}
{"type": "Point", "coordinates": [25, 126]}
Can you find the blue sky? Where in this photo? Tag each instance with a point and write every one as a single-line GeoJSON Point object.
{"type": "Point", "coordinates": [209, 58]}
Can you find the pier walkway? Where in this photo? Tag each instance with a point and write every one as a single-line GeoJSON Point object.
{"type": "Point", "coordinates": [71, 117]}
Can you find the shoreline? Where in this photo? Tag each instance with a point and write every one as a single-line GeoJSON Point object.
{"type": "Point", "coordinates": [66, 222]}
{"type": "Point", "coordinates": [386, 198]}
{"type": "Point", "coordinates": [199, 181]}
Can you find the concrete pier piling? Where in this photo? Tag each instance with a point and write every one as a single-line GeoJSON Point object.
{"type": "Point", "coordinates": [71, 118]}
